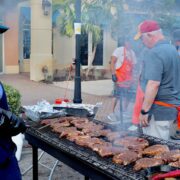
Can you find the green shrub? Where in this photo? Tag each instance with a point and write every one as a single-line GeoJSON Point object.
{"type": "Point", "coordinates": [13, 98]}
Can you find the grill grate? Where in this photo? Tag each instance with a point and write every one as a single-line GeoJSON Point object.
{"type": "Point", "coordinates": [84, 154]}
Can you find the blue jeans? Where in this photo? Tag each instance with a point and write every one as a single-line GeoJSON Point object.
{"type": "Point", "coordinates": [10, 171]}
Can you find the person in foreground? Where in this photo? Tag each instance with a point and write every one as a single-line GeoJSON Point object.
{"type": "Point", "coordinates": [160, 81]}
{"type": "Point", "coordinates": [10, 125]}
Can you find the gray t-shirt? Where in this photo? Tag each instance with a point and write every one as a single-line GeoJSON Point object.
{"type": "Point", "coordinates": [161, 63]}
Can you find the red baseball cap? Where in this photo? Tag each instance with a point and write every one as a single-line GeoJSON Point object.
{"type": "Point", "coordinates": [145, 27]}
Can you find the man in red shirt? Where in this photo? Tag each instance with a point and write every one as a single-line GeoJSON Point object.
{"type": "Point", "coordinates": [123, 60]}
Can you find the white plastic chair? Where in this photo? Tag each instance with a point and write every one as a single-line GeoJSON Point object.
{"type": "Point", "coordinates": [18, 140]}
{"type": "Point", "coordinates": [50, 168]}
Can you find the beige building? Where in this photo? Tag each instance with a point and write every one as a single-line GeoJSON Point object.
{"type": "Point", "coordinates": [32, 44]}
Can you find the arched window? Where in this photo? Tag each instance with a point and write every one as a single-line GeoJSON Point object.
{"type": "Point", "coordinates": [25, 21]}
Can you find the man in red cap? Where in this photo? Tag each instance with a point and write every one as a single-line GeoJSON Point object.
{"type": "Point", "coordinates": [160, 81]}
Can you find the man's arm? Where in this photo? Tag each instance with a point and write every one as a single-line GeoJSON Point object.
{"type": "Point", "coordinates": [10, 124]}
{"type": "Point", "coordinates": [149, 97]}
{"type": "Point", "coordinates": [113, 62]}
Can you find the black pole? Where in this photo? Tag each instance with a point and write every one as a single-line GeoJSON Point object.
{"type": "Point", "coordinates": [35, 162]}
{"type": "Point", "coordinates": [77, 79]}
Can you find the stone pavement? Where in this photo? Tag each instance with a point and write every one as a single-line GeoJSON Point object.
{"type": "Point", "coordinates": [98, 87]}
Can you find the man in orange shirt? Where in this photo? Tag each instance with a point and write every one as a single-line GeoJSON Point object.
{"type": "Point", "coordinates": [123, 60]}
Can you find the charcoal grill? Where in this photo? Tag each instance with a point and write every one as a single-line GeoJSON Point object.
{"type": "Point", "coordinates": [82, 159]}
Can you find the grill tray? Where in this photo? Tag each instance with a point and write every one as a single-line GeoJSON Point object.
{"type": "Point", "coordinates": [75, 111]}
{"type": "Point", "coordinates": [104, 165]}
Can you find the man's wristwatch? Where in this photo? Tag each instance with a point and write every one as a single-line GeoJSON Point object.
{"type": "Point", "coordinates": [143, 112]}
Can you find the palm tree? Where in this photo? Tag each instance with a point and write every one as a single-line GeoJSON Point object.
{"type": "Point", "coordinates": [164, 11]}
{"type": "Point", "coordinates": [99, 14]}
{"type": "Point", "coordinates": [95, 15]}
{"type": "Point", "coordinates": [67, 16]}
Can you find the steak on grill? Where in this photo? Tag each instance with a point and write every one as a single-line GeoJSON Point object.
{"type": "Point", "coordinates": [146, 163]}
{"type": "Point", "coordinates": [67, 121]}
{"type": "Point", "coordinates": [132, 142]}
{"type": "Point", "coordinates": [92, 128]}
{"type": "Point", "coordinates": [105, 132]}
{"type": "Point", "coordinates": [62, 119]}
{"type": "Point", "coordinates": [105, 151]}
{"type": "Point", "coordinates": [60, 130]}
{"type": "Point", "coordinates": [47, 121]}
{"type": "Point", "coordinates": [155, 150]}
{"type": "Point", "coordinates": [72, 136]}
{"type": "Point", "coordinates": [111, 136]}
{"type": "Point", "coordinates": [175, 164]}
{"type": "Point", "coordinates": [79, 122]}
{"type": "Point", "coordinates": [170, 156]}
{"type": "Point", "coordinates": [83, 125]}
{"type": "Point", "coordinates": [126, 157]}
{"type": "Point", "coordinates": [98, 133]}
{"type": "Point", "coordinates": [69, 133]}
{"type": "Point", "coordinates": [94, 141]}
{"type": "Point", "coordinates": [98, 146]}
{"type": "Point", "coordinates": [83, 140]}
{"type": "Point", "coordinates": [59, 123]}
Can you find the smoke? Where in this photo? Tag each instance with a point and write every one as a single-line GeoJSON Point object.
{"type": "Point", "coordinates": [166, 12]}
{"type": "Point", "coordinates": [126, 15]}
{"type": "Point", "coordinates": [7, 5]}
{"type": "Point", "coordinates": [130, 13]}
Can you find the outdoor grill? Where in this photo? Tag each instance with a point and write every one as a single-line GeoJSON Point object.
{"type": "Point", "coordinates": [82, 159]}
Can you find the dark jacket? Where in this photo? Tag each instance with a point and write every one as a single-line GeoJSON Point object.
{"type": "Point", "coordinates": [8, 164]}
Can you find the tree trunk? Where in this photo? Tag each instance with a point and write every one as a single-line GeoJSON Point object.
{"type": "Point", "coordinates": [90, 61]}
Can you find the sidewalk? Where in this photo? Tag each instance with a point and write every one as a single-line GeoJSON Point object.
{"type": "Point", "coordinates": [92, 92]}
{"type": "Point", "coordinates": [98, 87]}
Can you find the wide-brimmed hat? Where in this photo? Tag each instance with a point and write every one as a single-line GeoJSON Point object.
{"type": "Point", "coordinates": [145, 27]}
{"type": "Point", "coordinates": [3, 29]}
